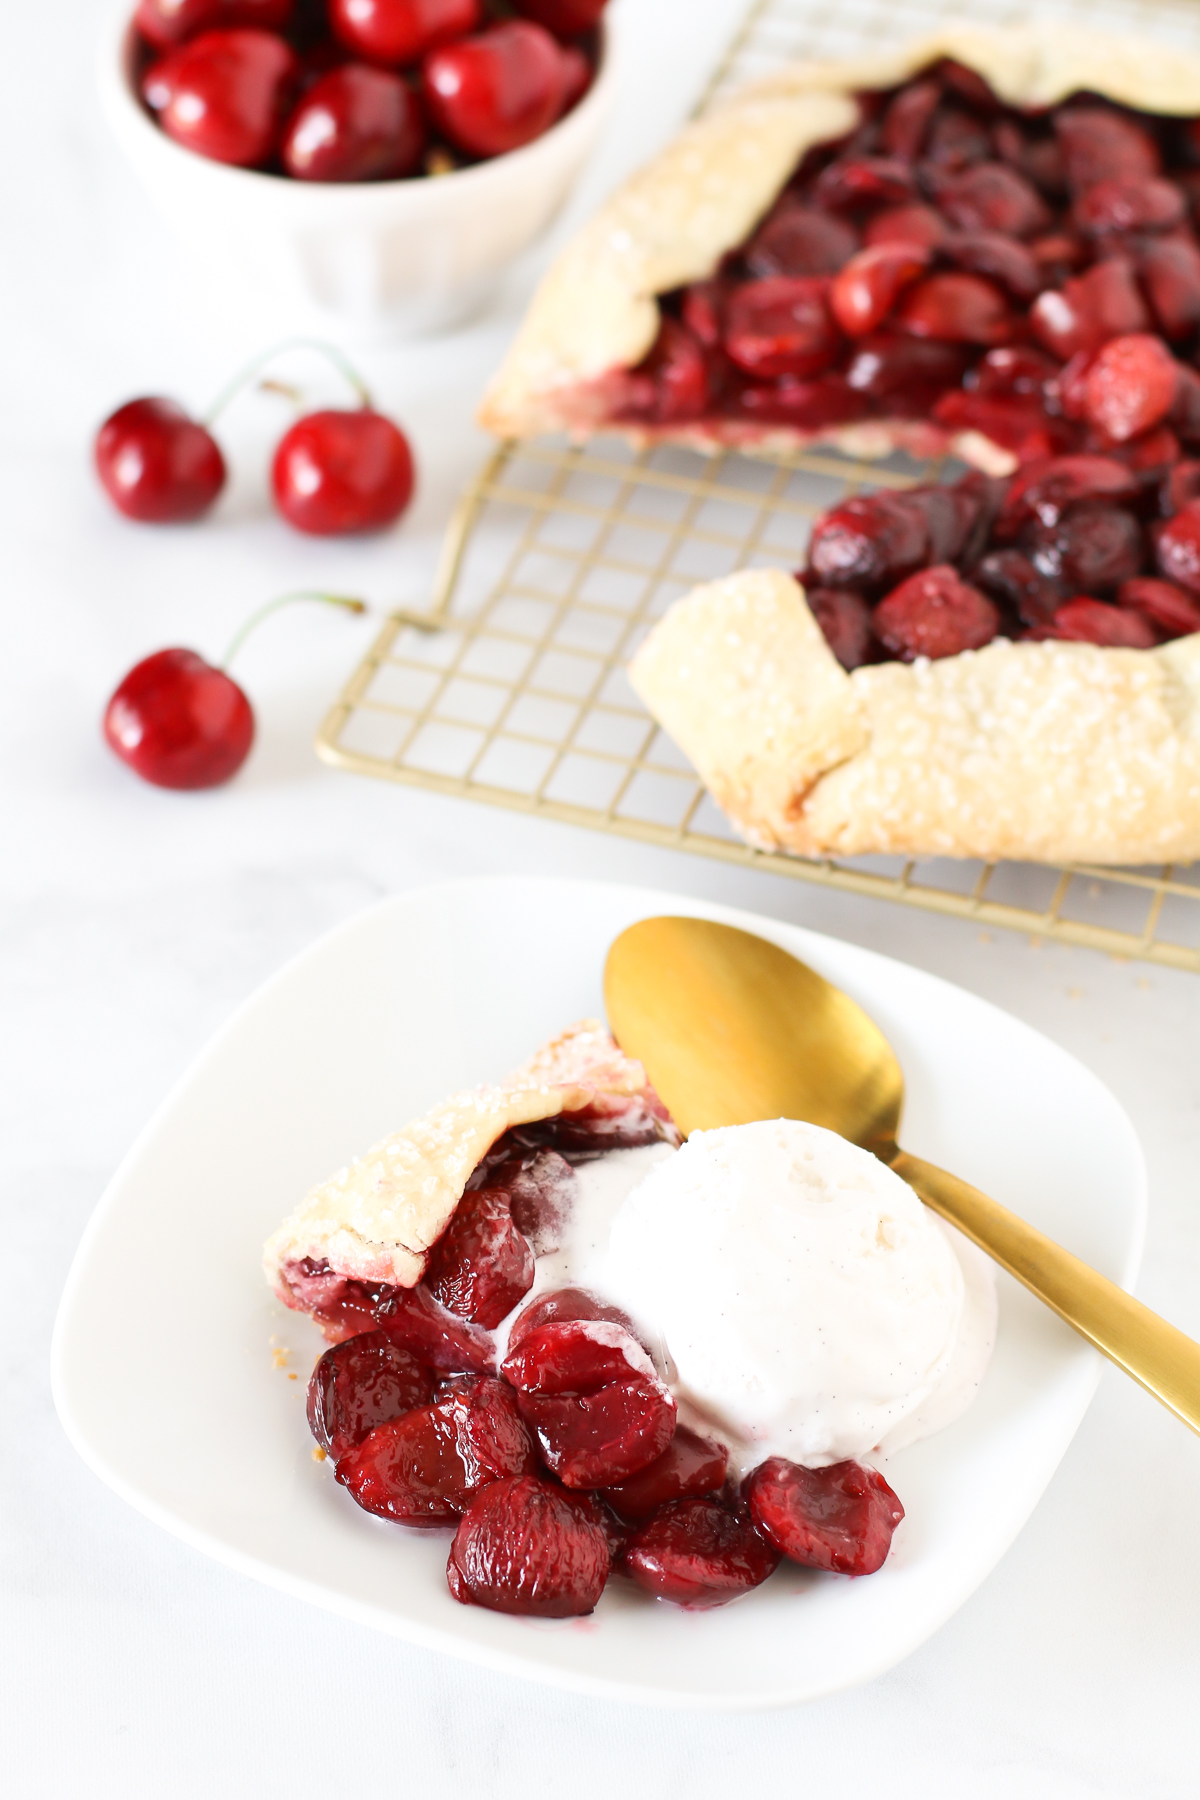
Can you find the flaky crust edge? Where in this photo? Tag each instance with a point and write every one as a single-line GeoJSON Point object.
{"type": "Point", "coordinates": [1052, 752]}
{"type": "Point", "coordinates": [596, 312]}
{"type": "Point", "coordinates": [377, 1219]}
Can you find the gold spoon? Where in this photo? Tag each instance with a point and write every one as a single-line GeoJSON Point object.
{"type": "Point", "coordinates": [731, 1028]}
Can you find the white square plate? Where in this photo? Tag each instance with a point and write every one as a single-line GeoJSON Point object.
{"type": "Point", "coordinates": [165, 1352]}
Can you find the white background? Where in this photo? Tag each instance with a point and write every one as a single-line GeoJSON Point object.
{"type": "Point", "coordinates": [134, 920]}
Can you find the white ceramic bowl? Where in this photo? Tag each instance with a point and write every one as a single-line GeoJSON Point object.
{"type": "Point", "coordinates": [373, 260]}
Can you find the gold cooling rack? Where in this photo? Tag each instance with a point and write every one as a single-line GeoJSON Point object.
{"type": "Point", "coordinates": [512, 690]}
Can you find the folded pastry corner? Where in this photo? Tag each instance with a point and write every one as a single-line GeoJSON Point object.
{"type": "Point", "coordinates": [1041, 752]}
{"type": "Point", "coordinates": [375, 1221]}
{"type": "Point", "coordinates": [739, 673]}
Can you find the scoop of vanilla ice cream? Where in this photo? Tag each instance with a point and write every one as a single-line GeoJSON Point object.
{"type": "Point", "coordinates": [809, 1302]}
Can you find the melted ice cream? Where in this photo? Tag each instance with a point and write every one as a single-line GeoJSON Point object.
{"type": "Point", "coordinates": [803, 1301]}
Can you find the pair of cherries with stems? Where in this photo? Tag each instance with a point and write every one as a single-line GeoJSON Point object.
{"type": "Point", "coordinates": [336, 471]}
{"type": "Point", "coordinates": [177, 720]}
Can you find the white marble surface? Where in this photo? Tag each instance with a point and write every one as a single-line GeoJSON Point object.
{"type": "Point", "coordinates": [133, 921]}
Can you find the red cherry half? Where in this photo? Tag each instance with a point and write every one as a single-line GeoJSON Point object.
{"type": "Point", "coordinates": [165, 23]}
{"type": "Point", "coordinates": [156, 464]}
{"type": "Point", "coordinates": [356, 124]}
{"type": "Point", "coordinates": [180, 723]}
{"type": "Point", "coordinates": [224, 95]}
{"type": "Point", "coordinates": [338, 471]}
{"type": "Point", "coordinates": [497, 91]}
{"type": "Point", "coordinates": [401, 31]}
{"type": "Point", "coordinates": [565, 18]}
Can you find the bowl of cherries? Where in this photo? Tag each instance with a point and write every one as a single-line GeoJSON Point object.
{"type": "Point", "coordinates": [368, 164]}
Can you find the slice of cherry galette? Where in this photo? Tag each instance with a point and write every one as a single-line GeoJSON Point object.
{"type": "Point", "coordinates": [929, 249]}
{"type": "Point", "coordinates": [473, 1384]}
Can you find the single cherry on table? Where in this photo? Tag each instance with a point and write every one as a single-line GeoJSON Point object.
{"type": "Point", "coordinates": [341, 471]}
{"type": "Point", "coordinates": [181, 722]}
{"type": "Point", "coordinates": [156, 464]}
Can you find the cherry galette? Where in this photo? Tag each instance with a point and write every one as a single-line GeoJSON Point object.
{"type": "Point", "coordinates": [934, 250]}
{"type": "Point", "coordinates": [535, 1423]}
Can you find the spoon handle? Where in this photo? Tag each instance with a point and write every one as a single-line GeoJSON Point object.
{"type": "Point", "coordinates": [1165, 1361]}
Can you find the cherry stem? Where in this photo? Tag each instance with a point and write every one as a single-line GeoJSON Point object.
{"type": "Point", "coordinates": [255, 620]}
{"type": "Point", "coordinates": [247, 374]}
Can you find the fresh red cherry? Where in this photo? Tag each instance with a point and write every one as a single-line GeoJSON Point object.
{"type": "Point", "coordinates": [224, 95]}
{"type": "Point", "coordinates": [180, 723]}
{"type": "Point", "coordinates": [401, 31]}
{"type": "Point", "coordinates": [356, 124]}
{"type": "Point", "coordinates": [156, 464]}
{"type": "Point", "coordinates": [577, 76]}
{"type": "Point", "coordinates": [493, 93]}
{"type": "Point", "coordinates": [165, 23]}
{"type": "Point", "coordinates": [565, 18]}
{"type": "Point", "coordinates": [338, 471]}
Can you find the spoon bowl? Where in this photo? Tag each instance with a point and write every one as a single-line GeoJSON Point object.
{"type": "Point", "coordinates": [754, 1033]}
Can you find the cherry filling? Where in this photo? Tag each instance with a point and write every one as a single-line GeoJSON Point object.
{"type": "Point", "coordinates": [525, 1547]}
{"type": "Point", "coordinates": [359, 1384]}
{"type": "Point", "coordinates": [569, 1464]}
{"type": "Point", "coordinates": [691, 1465]}
{"type": "Point", "coordinates": [903, 269]}
{"type": "Point", "coordinates": [427, 1466]}
{"type": "Point", "coordinates": [699, 1554]}
{"type": "Point", "coordinates": [1087, 548]}
{"type": "Point", "coordinates": [840, 1518]}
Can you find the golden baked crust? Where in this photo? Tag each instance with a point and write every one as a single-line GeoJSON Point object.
{"type": "Point", "coordinates": [1033, 752]}
{"type": "Point", "coordinates": [377, 1219]}
{"type": "Point", "coordinates": [596, 312]}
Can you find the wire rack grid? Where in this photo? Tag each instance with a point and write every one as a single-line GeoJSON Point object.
{"type": "Point", "coordinates": [512, 689]}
